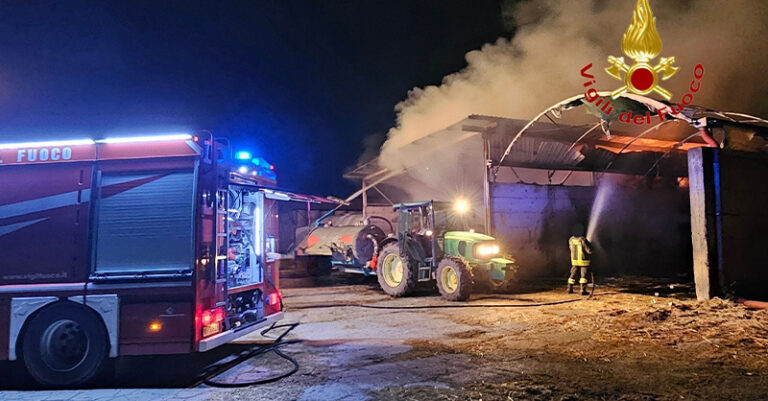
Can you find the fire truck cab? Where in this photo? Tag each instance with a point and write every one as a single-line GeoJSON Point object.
{"type": "Point", "coordinates": [131, 246]}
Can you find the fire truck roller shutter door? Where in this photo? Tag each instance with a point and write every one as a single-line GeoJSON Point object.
{"type": "Point", "coordinates": [145, 222]}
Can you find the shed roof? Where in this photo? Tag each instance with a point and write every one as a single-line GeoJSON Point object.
{"type": "Point", "coordinates": [555, 140]}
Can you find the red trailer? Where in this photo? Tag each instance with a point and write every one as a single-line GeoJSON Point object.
{"type": "Point", "coordinates": [131, 246]}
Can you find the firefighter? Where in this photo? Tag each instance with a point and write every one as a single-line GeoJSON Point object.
{"type": "Point", "coordinates": [581, 250]}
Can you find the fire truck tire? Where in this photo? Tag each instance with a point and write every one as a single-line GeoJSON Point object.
{"type": "Point", "coordinates": [397, 275]}
{"type": "Point", "coordinates": [454, 280]}
{"type": "Point", "coordinates": [65, 344]}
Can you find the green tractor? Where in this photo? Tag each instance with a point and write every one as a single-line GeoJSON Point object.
{"type": "Point", "coordinates": [432, 246]}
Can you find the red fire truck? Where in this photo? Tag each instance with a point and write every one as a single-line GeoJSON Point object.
{"type": "Point", "coordinates": [132, 246]}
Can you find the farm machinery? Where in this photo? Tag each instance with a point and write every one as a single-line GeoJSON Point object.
{"type": "Point", "coordinates": [431, 247]}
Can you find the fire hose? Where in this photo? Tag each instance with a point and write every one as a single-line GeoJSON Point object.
{"type": "Point", "coordinates": [457, 305]}
{"type": "Point", "coordinates": [212, 371]}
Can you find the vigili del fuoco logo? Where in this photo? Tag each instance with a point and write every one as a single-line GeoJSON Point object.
{"type": "Point", "coordinates": [641, 43]}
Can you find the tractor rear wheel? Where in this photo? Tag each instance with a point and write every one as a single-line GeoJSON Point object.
{"type": "Point", "coordinates": [397, 274]}
{"type": "Point", "coordinates": [454, 280]}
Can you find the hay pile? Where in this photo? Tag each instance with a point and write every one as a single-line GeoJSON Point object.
{"type": "Point", "coordinates": [715, 327]}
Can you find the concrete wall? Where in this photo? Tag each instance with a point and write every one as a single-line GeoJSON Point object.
{"type": "Point", "coordinates": [644, 225]}
{"type": "Point", "coordinates": [533, 222]}
{"type": "Point", "coordinates": [730, 246]}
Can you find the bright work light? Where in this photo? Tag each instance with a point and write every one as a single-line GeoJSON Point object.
{"type": "Point", "coordinates": [461, 206]}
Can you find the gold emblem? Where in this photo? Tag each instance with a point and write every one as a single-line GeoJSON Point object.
{"type": "Point", "coordinates": [641, 43]}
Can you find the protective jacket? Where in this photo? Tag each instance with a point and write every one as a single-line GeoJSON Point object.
{"type": "Point", "coordinates": [580, 251]}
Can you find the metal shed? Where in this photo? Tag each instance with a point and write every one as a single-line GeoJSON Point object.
{"type": "Point", "coordinates": [568, 151]}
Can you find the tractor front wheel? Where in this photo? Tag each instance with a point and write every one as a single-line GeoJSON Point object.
{"type": "Point", "coordinates": [397, 274]}
{"type": "Point", "coordinates": [454, 280]}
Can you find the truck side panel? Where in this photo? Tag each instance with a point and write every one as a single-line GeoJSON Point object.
{"type": "Point", "coordinates": [163, 327]}
{"type": "Point", "coordinates": [44, 217]}
{"type": "Point", "coordinates": [5, 322]}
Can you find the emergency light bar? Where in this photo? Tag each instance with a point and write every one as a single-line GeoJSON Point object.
{"type": "Point", "coordinates": [72, 142]}
{"type": "Point", "coordinates": [247, 163]}
{"type": "Point", "coordinates": [243, 155]}
{"type": "Point", "coordinates": [83, 142]}
{"type": "Point", "coordinates": [154, 138]}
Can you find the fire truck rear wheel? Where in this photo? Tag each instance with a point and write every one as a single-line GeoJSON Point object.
{"type": "Point", "coordinates": [397, 274]}
{"type": "Point", "coordinates": [65, 344]}
{"type": "Point", "coordinates": [454, 280]}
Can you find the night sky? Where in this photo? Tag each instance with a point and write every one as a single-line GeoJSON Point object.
{"type": "Point", "coordinates": [305, 84]}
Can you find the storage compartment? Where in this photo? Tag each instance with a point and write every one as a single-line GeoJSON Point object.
{"type": "Point", "coordinates": [145, 222]}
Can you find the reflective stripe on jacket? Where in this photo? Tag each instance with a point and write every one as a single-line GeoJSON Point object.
{"type": "Point", "coordinates": [579, 251]}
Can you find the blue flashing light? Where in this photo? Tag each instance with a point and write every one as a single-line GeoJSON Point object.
{"type": "Point", "coordinates": [243, 155]}
{"type": "Point", "coordinates": [262, 163]}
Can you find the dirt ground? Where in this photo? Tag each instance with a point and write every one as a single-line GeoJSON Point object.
{"type": "Point", "coordinates": [635, 339]}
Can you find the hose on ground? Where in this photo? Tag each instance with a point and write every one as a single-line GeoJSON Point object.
{"type": "Point", "coordinates": [212, 371]}
{"type": "Point", "coordinates": [452, 305]}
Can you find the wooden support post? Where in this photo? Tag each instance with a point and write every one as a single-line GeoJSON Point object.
{"type": "Point", "coordinates": [703, 181]}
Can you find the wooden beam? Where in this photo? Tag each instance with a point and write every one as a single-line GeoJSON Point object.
{"type": "Point", "coordinates": [703, 225]}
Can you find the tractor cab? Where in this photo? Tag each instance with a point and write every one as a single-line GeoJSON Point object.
{"type": "Point", "coordinates": [416, 235]}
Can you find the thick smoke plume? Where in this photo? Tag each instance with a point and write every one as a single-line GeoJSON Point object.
{"type": "Point", "coordinates": [540, 65]}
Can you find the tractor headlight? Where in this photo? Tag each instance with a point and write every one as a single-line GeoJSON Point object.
{"type": "Point", "coordinates": [486, 250]}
